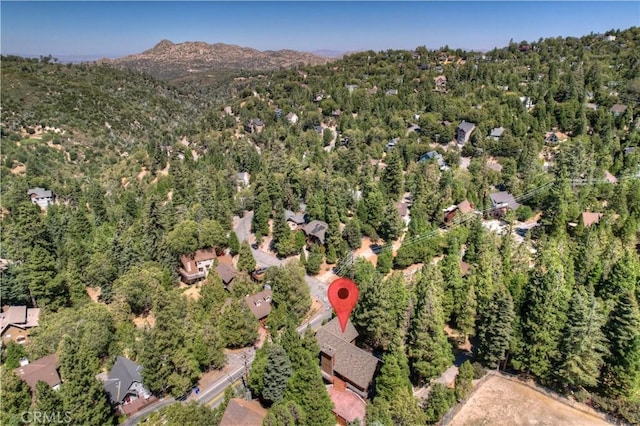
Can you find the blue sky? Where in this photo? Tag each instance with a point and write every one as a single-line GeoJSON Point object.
{"type": "Point", "coordinates": [96, 29]}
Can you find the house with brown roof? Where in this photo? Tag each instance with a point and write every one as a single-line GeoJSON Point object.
{"type": "Point", "coordinates": [16, 322]}
{"type": "Point", "coordinates": [196, 266]}
{"type": "Point", "coordinates": [240, 412]}
{"type": "Point", "coordinates": [463, 132]}
{"type": "Point", "coordinates": [460, 210]}
{"type": "Point", "coordinates": [609, 177]}
{"type": "Point", "coordinates": [554, 137]}
{"type": "Point", "coordinates": [590, 218]}
{"type": "Point", "coordinates": [316, 229]}
{"type": "Point", "coordinates": [227, 273]}
{"type": "Point", "coordinates": [344, 364]}
{"type": "Point", "coordinates": [292, 118]}
{"type": "Point", "coordinates": [260, 303]}
{"type": "Point", "coordinates": [441, 83]}
{"type": "Point", "coordinates": [44, 369]}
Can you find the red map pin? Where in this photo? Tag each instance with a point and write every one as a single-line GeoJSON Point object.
{"type": "Point", "coordinates": [343, 295]}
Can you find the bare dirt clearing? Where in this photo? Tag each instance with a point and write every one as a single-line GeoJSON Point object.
{"type": "Point", "coordinates": [500, 401]}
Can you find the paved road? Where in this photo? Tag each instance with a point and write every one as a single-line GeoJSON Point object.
{"type": "Point", "coordinates": [242, 227]}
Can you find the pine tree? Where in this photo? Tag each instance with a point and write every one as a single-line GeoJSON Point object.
{"type": "Point", "coordinates": [286, 413]}
{"type": "Point", "coordinates": [15, 396]}
{"type": "Point", "coordinates": [258, 367]}
{"type": "Point", "coordinates": [246, 261]}
{"type": "Point", "coordinates": [464, 380]}
{"type": "Point", "coordinates": [83, 396]}
{"type": "Point", "coordinates": [583, 343]}
{"type": "Point", "coordinates": [276, 374]}
{"type": "Point", "coordinates": [234, 244]}
{"type": "Point", "coordinates": [544, 312]}
{"type": "Point", "coordinates": [381, 309]}
{"type": "Point", "coordinates": [621, 373]}
{"type": "Point", "coordinates": [495, 329]}
{"type": "Point", "coordinates": [238, 326]}
{"type": "Point", "coordinates": [429, 350]}
{"type": "Point", "coordinates": [306, 389]}
{"type": "Point", "coordinates": [47, 400]}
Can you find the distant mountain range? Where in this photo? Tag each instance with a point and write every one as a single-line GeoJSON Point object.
{"type": "Point", "coordinates": [169, 61]}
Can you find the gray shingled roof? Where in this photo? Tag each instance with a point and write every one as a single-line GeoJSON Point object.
{"type": "Point", "coordinates": [297, 218]}
{"type": "Point", "coordinates": [123, 374]}
{"type": "Point", "coordinates": [40, 192]}
{"type": "Point", "coordinates": [503, 198]}
{"type": "Point", "coordinates": [497, 132]}
{"type": "Point", "coordinates": [351, 362]}
{"type": "Point", "coordinates": [466, 126]}
{"type": "Point", "coordinates": [317, 228]}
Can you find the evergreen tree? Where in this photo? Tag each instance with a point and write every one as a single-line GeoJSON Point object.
{"type": "Point", "coordinates": [276, 374]}
{"type": "Point", "coordinates": [238, 326]}
{"type": "Point", "coordinates": [306, 389]}
{"type": "Point", "coordinates": [290, 289]}
{"type": "Point", "coordinates": [258, 367]}
{"type": "Point", "coordinates": [544, 312]}
{"type": "Point", "coordinates": [394, 373]}
{"type": "Point", "coordinates": [83, 396]}
{"type": "Point", "coordinates": [385, 259]}
{"type": "Point", "coordinates": [15, 396]}
{"type": "Point", "coordinates": [246, 261]}
{"type": "Point", "coordinates": [47, 400]}
{"type": "Point", "coordinates": [429, 350]}
{"type": "Point", "coordinates": [286, 413]}
{"type": "Point", "coordinates": [583, 343]}
{"type": "Point", "coordinates": [13, 353]}
{"type": "Point", "coordinates": [621, 374]}
{"type": "Point", "coordinates": [234, 244]}
{"type": "Point", "coordinates": [495, 329]}
{"type": "Point", "coordinates": [464, 380]}
{"type": "Point", "coordinates": [381, 308]}
{"type": "Point", "coordinates": [441, 399]}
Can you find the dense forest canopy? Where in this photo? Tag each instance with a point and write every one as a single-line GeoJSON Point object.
{"type": "Point", "coordinates": [144, 172]}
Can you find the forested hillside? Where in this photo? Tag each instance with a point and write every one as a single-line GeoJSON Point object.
{"type": "Point", "coordinates": [143, 172]}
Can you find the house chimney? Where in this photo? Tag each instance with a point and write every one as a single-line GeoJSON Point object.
{"type": "Point", "coordinates": [328, 360]}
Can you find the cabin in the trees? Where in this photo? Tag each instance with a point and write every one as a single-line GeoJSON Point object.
{"type": "Point", "coordinates": [196, 266]}
{"type": "Point", "coordinates": [441, 83]}
{"type": "Point", "coordinates": [240, 412]}
{"type": "Point", "coordinates": [391, 92]}
{"type": "Point", "coordinates": [618, 109]}
{"type": "Point", "coordinates": [16, 323]}
{"type": "Point", "coordinates": [463, 132]}
{"type": "Point", "coordinates": [527, 102]}
{"type": "Point", "coordinates": [260, 304]}
{"type": "Point", "coordinates": [344, 364]}
{"type": "Point", "coordinates": [590, 218]}
{"type": "Point", "coordinates": [502, 202]}
{"type": "Point", "coordinates": [554, 138]}
{"type": "Point", "coordinates": [435, 156]}
{"type": "Point", "coordinates": [242, 179]}
{"type": "Point", "coordinates": [457, 211]}
{"type": "Point", "coordinates": [42, 197]}
{"type": "Point", "coordinates": [316, 230]}
{"type": "Point", "coordinates": [292, 118]}
{"type": "Point", "coordinates": [226, 271]}
{"type": "Point", "coordinates": [496, 133]}
{"type": "Point", "coordinates": [125, 387]}
{"type": "Point", "coordinates": [44, 369]}
{"type": "Point", "coordinates": [254, 125]}
{"type": "Point", "coordinates": [295, 220]}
